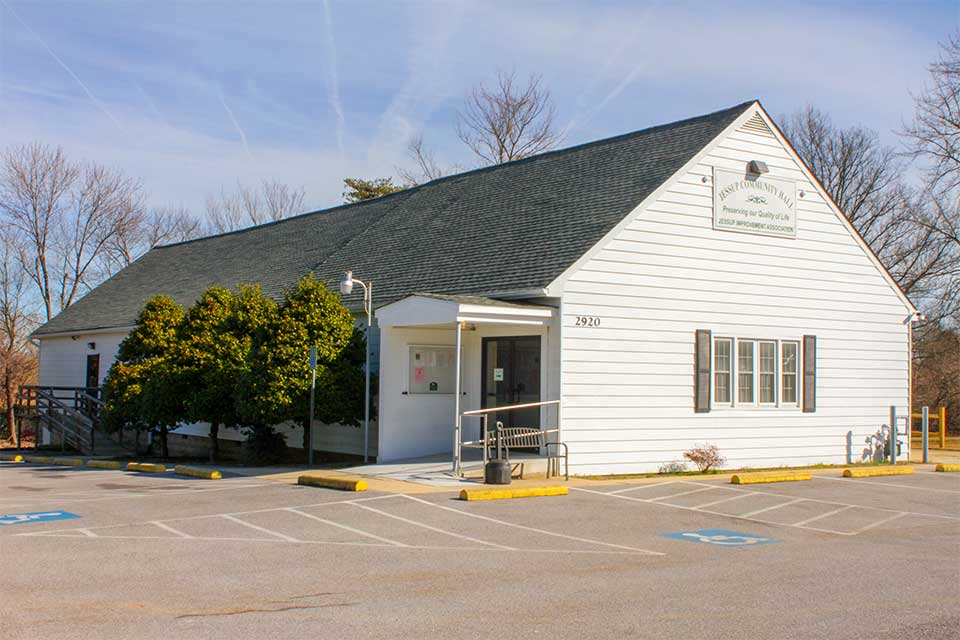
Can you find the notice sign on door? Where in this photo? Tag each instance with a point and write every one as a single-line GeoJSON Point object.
{"type": "Point", "coordinates": [498, 375]}
{"type": "Point", "coordinates": [754, 204]}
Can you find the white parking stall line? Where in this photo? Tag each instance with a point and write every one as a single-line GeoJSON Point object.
{"type": "Point", "coordinates": [821, 516]}
{"type": "Point", "coordinates": [765, 509]}
{"type": "Point", "coordinates": [88, 533]}
{"type": "Point", "coordinates": [684, 493]}
{"type": "Point", "coordinates": [883, 483]}
{"type": "Point", "coordinates": [536, 530]}
{"type": "Point", "coordinates": [714, 513]}
{"type": "Point", "coordinates": [261, 529]}
{"type": "Point", "coordinates": [431, 528]}
{"type": "Point", "coordinates": [881, 522]}
{"type": "Point", "coordinates": [642, 486]}
{"type": "Point", "coordinates": [838, 503]}
{"type": "Point", "coordinates": [731, 498]}
{"type": "Point", "coordinates": [167, 527]}
{"type": "Point", "coordinates": [359, 532]}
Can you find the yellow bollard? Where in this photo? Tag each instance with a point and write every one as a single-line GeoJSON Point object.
{"type": "Point", "coordinates": [943, 427]}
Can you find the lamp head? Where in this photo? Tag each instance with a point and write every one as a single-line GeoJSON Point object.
{"type": "Point", "coordinates": [346, 285]}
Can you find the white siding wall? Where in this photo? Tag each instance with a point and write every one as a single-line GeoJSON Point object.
{"type": "Point", "coordinates": [628, 386]}
{"type": "Point", "coordinates": [63, 360]}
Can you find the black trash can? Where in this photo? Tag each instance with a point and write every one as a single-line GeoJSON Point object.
{"type": "Point", "coordinates": [497, 471]}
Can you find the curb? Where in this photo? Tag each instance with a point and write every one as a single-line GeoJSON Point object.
{"type": "Point", "coordinates": [146, 467]}
{"type": "Point", "coordinates": [773, 476]}
{"type": "Point", "coordinates": [507, 494]}
{"type": "Point", "coordinates": [334, 482]}
{"type": "Point", "coordinates": [196, 472]}
{"type": "Point", "coordinates": [10, 457]}
{"type": "Point", "coordinates": [870, 472]}
{"type": "Point", "coordinates": [68, 462]}
{"type": "Point", "coordinates": [38, 459]}
{"type": "Point", "coordinates": [952, 468]}
{"type": "Point", "coordinates": [105, 464]}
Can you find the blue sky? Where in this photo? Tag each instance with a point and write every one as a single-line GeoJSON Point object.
{"type": "Point", "coordinates": [194, 96]}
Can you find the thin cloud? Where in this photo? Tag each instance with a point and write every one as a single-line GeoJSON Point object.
{"type": "Point", "coordinates": [96, 101]}
{"type": "Point", "coordinates": [332, 77]}
{"type": "Point", "coordinates": [236, 124]}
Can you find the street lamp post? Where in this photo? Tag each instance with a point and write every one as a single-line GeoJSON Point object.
{"type": "Point", "coordinates": [346, 287]}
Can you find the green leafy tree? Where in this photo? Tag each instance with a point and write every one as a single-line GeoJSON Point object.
{"type": "Point", "coordinates": [359, 189]}
{"type": "Point", "coordinates": [218, 333]}
{"type": "Point", "coordinates": [144, 388]}
{"type": "Point", "coordinates": [278, 385]}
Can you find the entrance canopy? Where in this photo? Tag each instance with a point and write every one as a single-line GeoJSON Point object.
{"type": "Point", "coordinates": [431, 309]}
{"type": "Point", "coordinates": [441, 355]}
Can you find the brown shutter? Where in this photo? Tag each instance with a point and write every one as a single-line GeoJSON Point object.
{"type": "Point", "coordinates": [703, 371]}
{"type": "Point", "coordinates": [809, 374]}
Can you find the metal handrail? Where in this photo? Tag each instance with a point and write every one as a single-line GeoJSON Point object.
{"type": "Point", "coordinates": [477, 412]}
{"type": "Point", "coordinates": [74, 424]}
{"type": "Point", "coordinates": [483, 415]}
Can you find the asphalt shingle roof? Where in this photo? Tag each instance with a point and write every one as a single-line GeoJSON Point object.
{"type": "Point", "coordinates": [510, 227]}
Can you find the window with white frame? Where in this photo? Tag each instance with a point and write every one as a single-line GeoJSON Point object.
{"type": "Point", "coordinates": [789, 376]}
{"type": "Point", "coordinates": [745, 371]}
{"type": "Point", "coordinates": [722, 371]}
{"type": "Point", "coordinates": [749, 372]}
{"type": "Point", "coordinates": [767, 372]}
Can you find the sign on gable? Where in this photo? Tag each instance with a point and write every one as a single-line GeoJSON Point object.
{"type": "Point", "coordinates": [754, 204]}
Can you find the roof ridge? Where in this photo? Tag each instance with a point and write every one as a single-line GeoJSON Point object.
{"type": "Point", "coordinates": [486, 168]}
{"type": "Point", "coordinates": [592, 143]}
{"type": "Point", "coordinates": [264, 225]}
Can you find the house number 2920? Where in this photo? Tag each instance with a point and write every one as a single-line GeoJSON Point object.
{"type": "Point", "coordinates": [588, 321]}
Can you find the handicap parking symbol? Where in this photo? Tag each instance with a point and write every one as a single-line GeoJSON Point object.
{"type": "Point", "coordinates": [720, 537]}
{"type": "Point", "coordinates": [36, 516]}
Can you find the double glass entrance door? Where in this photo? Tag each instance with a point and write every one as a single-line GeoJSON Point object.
{"type": "Point", "coordinates": [511, 375]}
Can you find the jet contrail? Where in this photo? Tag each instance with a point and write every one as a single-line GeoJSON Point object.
{"type": "Point", "coordinates": [100, 105]}
{"type": "Point", "coordinates": [233, 119]}
{"type": "Point", "coordinates": [333, 79]}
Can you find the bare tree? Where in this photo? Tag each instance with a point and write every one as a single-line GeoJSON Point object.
{"type": "Point", "coordinates": [426, 167]}
{"type": "Point", "coordinates": [64, 216]}
{"type": "Point", "coordinates": [933, 137]}
{"type": "Point", "coordinates": [249, 206]}
{"type": "Point", "coordinates": [18, 358]}
{"type": "Point", "coordinates": [148, 229]}
{"type": "Point", "coordinates": [934, 133]}
{"type": "Point", "coordinates": [864, 178]}
{"type": "Point", "coordinates": [509, 121]}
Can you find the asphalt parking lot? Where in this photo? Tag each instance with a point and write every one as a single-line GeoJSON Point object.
{"type": "Point", "coordinates": [111, 554]}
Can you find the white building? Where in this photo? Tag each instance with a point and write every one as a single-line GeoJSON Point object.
{"type": "Point", "coordinates": [689, 283]}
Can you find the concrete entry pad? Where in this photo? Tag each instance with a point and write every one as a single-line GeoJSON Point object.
{"type": "Point", "coordinates": [268, 558]}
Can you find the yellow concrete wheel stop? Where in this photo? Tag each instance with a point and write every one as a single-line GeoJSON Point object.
{"type": "Point", "coordinates": [771, 476]}
{"type": "Point", "coordinates": [11, 457]}
{"type": "Point", "coordinates": [344, 483]}
{"type": "Point", "coordinates": [951, 468]}
{"type": "Point", "coordinates": [146, 467]}
{"type": "Point", "coordinates": [872, 472]}
{"type": "Point", "coordinates": [68, 462]}
{"type": "Point", "coordinates": [508, 494]}
{"type": "Point", "coordinates": [197, 472]}
{"type": "Point", "coordinates": [104, 464]}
